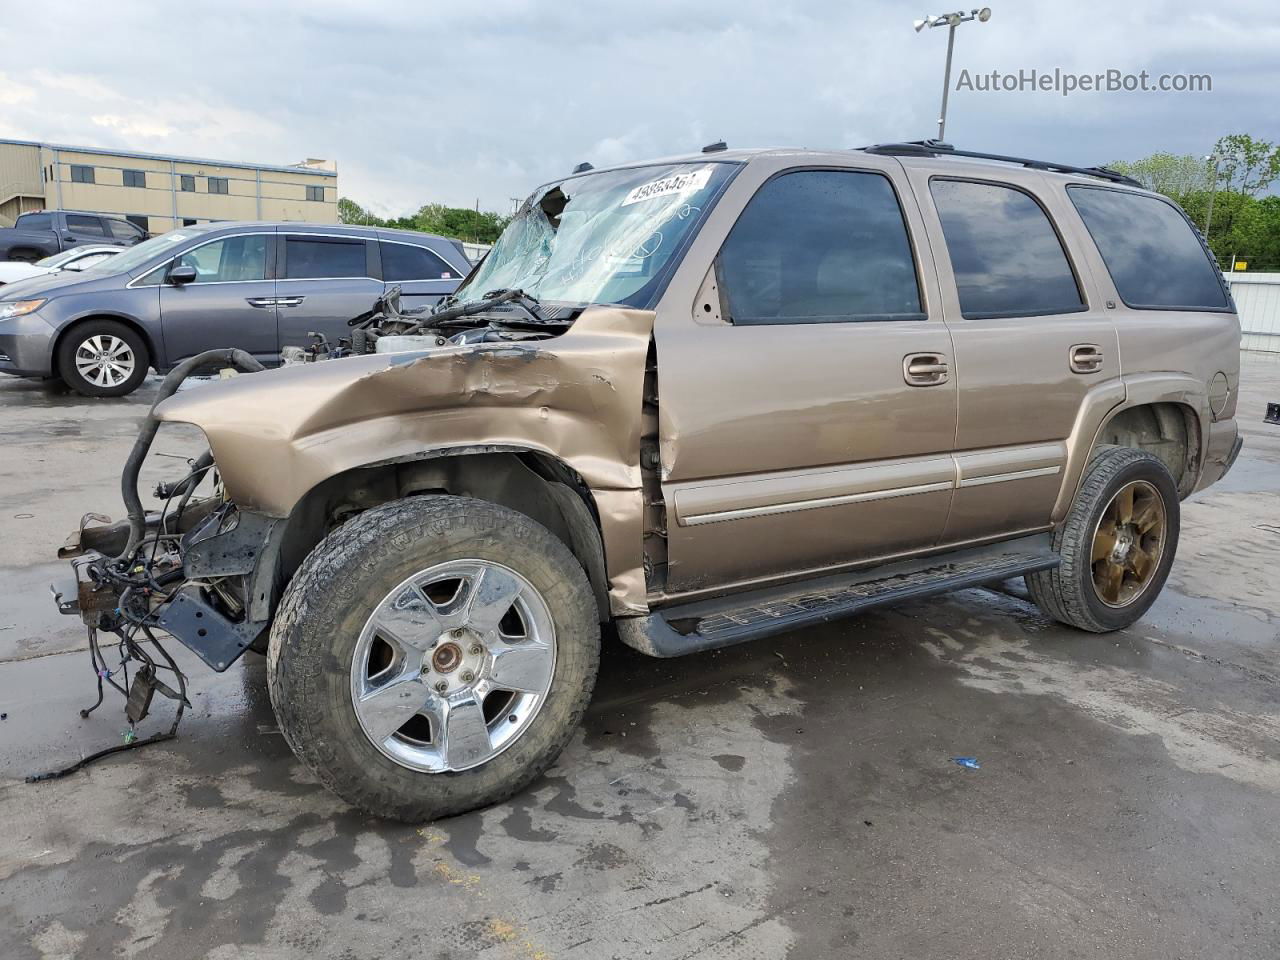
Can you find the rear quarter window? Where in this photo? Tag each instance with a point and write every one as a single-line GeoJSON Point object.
{"type": "Point", "coordinates": [1153, 255]}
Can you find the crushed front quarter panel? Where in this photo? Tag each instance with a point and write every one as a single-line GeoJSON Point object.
{"type": "Point", "coordinates": [576, 397]}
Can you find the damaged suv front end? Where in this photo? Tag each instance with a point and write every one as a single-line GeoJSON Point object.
{"type": "Point", "coordinates": [527, 389]}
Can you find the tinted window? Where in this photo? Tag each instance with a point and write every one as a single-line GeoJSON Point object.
{"type": "Point", "coordinates": [187, 183]}
{"type": "Point", "coordinates": [86, 226]}
{"type": "Point", "coordinates": [135, 178]}
{"type": "Point", "coordinates": [1006, 256]}
{"type": "Point", "coordinates": [1151, 252]}
{"type": "Point", "coordinates": [307, 258]}
{"type": "Point", "coordinates": [35, 221]}
{"type": "Point", "coordinates": [81, 174]}
{"type": "Point", "coordinates": [228, 259]}
{"type": "Point", "coordinates": [820, 245]}
{"type": "Point", "coordinates": [218, 185]}
{"type": "Point", "coordinates": [400, 261]}
{"type": "Point", "coordinates": [131, 231]}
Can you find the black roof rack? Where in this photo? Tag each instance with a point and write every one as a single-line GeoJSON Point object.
{"type": "Point", "coordinates": [936, 148]}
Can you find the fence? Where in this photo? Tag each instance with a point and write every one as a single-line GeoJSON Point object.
{"type": "Point", "coordinates": [1257, 297]}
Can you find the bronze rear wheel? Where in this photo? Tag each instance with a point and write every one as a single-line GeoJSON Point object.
{"type": "Point", "coordinates": [1128, 544]}
{"type": "Point", "coordinates": [1117, 543]}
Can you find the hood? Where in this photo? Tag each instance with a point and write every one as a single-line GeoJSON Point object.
{"type": "Point", "coordinates": [67, 281]}
{"type": "Point", "coordinates": [14, 270]}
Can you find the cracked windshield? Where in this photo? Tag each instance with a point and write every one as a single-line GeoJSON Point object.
{"type": "Point", "coordinates": [600, 238]}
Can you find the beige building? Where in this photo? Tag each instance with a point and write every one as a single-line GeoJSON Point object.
{"type": "Point", "coordinates": [157, 192]}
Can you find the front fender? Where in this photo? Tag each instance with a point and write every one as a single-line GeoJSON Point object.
{"type": "Point", "coordinates": [576, 397]}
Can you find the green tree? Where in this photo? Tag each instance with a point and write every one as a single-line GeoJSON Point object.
{"type": "Point", "coordinates": [1247, 165]}
{"type": "Point", "coordinates": [1174, 176]}
{"type": "Point", "coordinates": [351, 212]}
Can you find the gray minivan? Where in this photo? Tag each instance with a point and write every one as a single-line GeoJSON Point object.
{"type": "Point", "coordinates": [256, 286]}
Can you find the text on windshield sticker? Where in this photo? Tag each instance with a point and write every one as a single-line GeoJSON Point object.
{"type": "Point", "coordinates": [667, 186]}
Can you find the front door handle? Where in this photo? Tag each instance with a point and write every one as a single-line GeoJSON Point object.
{"type": "Point", "coordinates": [1085, 358]}
{"type": "Point", "coordinates": [924, 369]}
{"type": "Point", "coordinates": [261, 301]}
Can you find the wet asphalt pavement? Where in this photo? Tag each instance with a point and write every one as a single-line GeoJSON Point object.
{"type": "Point", "coordinates": [794, 797]}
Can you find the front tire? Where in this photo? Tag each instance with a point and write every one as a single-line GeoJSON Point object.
{"type": "Point", "coordinates": [1117, 544]}
{"type": "Point", "coordinates": [103, 358]}
{"type": "Point", "coordinates": [433, 655]}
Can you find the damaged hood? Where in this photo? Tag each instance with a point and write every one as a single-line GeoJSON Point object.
{"type": "Point", "coordinates": [576, 397]}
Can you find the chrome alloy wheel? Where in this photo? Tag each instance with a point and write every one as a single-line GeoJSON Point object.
{"type": "Point", "coordinates": [105, 361]}
{"type": "Point", "coordinates": [453, 665]}
{"type": "Point", "coordinates": [1128, 543]}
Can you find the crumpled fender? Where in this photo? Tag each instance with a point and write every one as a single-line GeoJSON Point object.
{"type": "Point", "coordinates": [576, 397]}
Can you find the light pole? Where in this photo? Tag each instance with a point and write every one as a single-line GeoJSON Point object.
{"type": "Point", "coordinates": [1213, 192]}
{"type": "Point", "coordinates": [950, 21]}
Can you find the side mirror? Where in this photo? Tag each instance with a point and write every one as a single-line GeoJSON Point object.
{"type": "Point", "coordinates": [181, 274]}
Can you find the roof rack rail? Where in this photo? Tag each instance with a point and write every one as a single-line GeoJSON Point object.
{"type": "Point", "coordinates": [936, 148]}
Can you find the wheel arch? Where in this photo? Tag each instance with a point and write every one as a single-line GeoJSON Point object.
{"type": "Point", "coordinates": [540, 486]}
{"type": "Point", "coordinates": [130, 322]}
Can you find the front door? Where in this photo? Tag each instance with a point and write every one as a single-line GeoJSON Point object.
{"type": "Point", "coordinates": [807, 403]}
{"type": "Point", "coordinates": [1029, 347]}
{"type": "Point", "coordinates": [323, 282]}
{"type": "Point", "coordinates": [230, 303]}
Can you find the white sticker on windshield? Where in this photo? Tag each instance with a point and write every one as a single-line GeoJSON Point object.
{"type": "Point", "coordinates": [678, 183]}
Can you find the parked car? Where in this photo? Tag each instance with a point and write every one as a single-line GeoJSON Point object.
{"type": "Point", "coordinates": [76, 259]}
{"type": "Point", "coordinates": [756, 390]}
{"type": "Point", "coordinates": [256, 286]}
{"type": "Point", "coordinates": [46, 232]}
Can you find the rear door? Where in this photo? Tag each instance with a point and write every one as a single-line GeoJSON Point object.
{"type": "Point", "coordinates": [1031, 344]}
{"type": "Point", "coordinates": [422, 274]}
{"type": "Point", "coordinates": [324, 281]}
{"type": "Point", "coordinates": [81, 228]}
{"type": "Point", "coordinates": [231, 303]}
{"type": "Point", "coordinates": [806, 405]}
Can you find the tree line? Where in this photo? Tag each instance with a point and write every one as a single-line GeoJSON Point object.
{"type": "Point", "coordinates": [1244, 221]}
{"type": "Point", "coordinates": [460, 223]}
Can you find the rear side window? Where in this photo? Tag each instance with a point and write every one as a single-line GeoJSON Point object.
{"type": "Point", "coordinates": [35, 221]}
{"type": "Point", "coordinates": [315, 259]}
{"type": "Point", "coordinates": [1005, 254]}
{"type": "Point", "coordinates": [88, 226]}
{"type": "Point", "coordinates": [818, 246]}
{"type": "Point", "coordinates": [1153, 255]}
{"type": "Point", "coordinates": [400, 261]}
{"type": "Point", "coordinates": [129, 231]}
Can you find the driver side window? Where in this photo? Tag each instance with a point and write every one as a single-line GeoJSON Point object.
{"type": "Point", "coordinates": [820, 246]}
{"type": "Point", "coordinates": [228, 260]}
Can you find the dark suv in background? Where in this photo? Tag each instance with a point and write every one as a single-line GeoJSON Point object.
{"type": "Point", "coordinates": [256, 286]}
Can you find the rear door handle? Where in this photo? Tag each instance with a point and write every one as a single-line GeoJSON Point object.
{"type": "Point", "coordinates": [1086, 358]}
{"type": "Point", "coordinates": [288, 301]}
{"type": "Point", "coordinates": [924, 369]}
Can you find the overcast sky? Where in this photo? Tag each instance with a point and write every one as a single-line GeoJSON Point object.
{"type": "Point", "coordinates": [456, 102]}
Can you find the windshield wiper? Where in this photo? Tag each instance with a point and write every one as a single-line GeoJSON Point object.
{"type": "Point", "coordinates": [490, 300]}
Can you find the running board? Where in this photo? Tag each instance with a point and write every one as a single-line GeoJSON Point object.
{"type": "Point", "coordinates": [724, 621]}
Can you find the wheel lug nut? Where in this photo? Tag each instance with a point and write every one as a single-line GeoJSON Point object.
{"type": "Point", "coordinates": [456, 634]}
{"type": "Point", "coordinates": [467, 676]}
{"type": "Point", "coordinates": [476, 649]}
{"type": "Point", "coordinates": [442, 686]}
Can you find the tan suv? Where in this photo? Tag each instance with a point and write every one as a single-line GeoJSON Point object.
{"type": "Point", "coordinates": [707, 399]}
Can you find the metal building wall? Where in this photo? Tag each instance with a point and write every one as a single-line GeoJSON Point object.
{"type": "Point", "coordinates": [1257, 297]}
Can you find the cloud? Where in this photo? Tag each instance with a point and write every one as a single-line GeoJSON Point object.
{"type": "Point", "coordinates": [445, 102]}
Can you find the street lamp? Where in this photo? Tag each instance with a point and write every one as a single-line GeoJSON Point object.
{"type": "Point", "coordinates": [1213, 191]}
{"type": "Point", "coordinates": [951, 21]}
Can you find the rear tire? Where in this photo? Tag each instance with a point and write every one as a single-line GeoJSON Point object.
{"type": "Point", "coordinates": [1117, 544]}
{"type": "Point", "coordinates": [328, 677]}
{"type": "Point", "coordinates": [103, 358]}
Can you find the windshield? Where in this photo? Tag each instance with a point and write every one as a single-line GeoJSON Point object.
{"type": "Point", "coordinates": [146, 251]}
{"type": "Point", "coordinates": [601, 238]}
{"type": "Point", "coordinates": [58, 259]}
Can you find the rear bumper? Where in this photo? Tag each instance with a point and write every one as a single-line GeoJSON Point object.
{"type": "Point", "coordinates": [1224, 447]}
